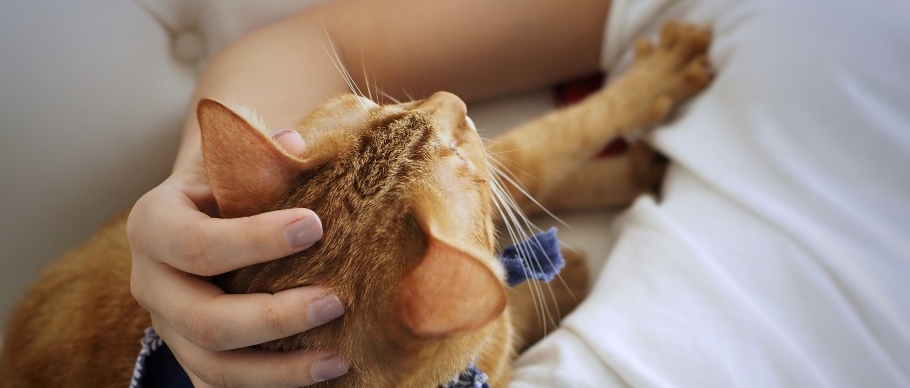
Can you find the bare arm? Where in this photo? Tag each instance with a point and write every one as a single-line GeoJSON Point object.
{"type": "Point", "coordinates": [473, 48]}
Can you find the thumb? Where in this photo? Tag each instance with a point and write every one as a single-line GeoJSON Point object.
{"type": "Point", "coordinates": [291, 141]}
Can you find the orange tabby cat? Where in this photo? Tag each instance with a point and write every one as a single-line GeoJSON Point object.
{"type": "Point", "coordinates": [406, 199]}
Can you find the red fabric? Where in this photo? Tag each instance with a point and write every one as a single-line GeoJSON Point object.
{"type": "Point", "coordinates": [570, 92]}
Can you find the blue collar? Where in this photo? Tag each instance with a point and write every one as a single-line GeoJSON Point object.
{"type": "Point", "coordinates": [535, 258]}
{"type": "Point", "coordinates": [470, 378]}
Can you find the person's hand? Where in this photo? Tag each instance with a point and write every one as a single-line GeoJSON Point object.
{"type": "Point", "coordinates": [176, 246]}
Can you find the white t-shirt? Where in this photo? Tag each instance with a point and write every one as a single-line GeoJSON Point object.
{"type": "Point", "coordinates": [779, 254]}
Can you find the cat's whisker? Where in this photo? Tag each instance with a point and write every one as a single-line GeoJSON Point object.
{"type": "Point", "coordinates": [339, 65]}
{"type": "Point", "coordinates": [376, 87]}
{"type": "Point", "coordinates": [513, 219]}
{"type": "Point", "coordinates": [363, 65]}
{"type": "Point", "coordinates": [530, 225]}
{"type": "Point", "coordinates": [566, 286]}
{"type": "Point", "coordinates": [510, 203]}
{"type": "Point", "coordinates": [502, 202]}
{"type": "Point", "coordinates": [500, 158]}
{"type": "Point", "coordinates": [407, 94]}
{"type": "Point", "coordinates": [512, 222]}
{"type": "Point", "coordinates": [334, 62]}
{"type": "Point", "coordinates": [488, 141]}
{"type": "Point", "coordinates": [537, 294]}
{"type": "Point", "coordinates": [500, 155]}
{"type": "Point", "coordinates": [500, 152]}
{"type": "Point", "coordinates": [355, 89]}
{"type": "Point", "coordinates": [497, 153]}
{"type": "Point", "coordinates": [549, 286]}
{"type": "Point", "coordinates": [502, 208]}
{"type": "Point", "coordinates": [512, 180]}
{"type": "Point", "coordinates": [342, 71]}
{"type": "Point", "coordinates": [386, 95]}
{"type": "Point", "coordinates": [507, 200]}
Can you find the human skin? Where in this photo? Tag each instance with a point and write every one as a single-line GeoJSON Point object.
{"type": "Point", "coordinates": [472, 48]}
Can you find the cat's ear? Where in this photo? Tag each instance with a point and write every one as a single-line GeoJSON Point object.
{"type": "Point", "coordinates": [245, 168]}
{"type": "Point", "coordinates": [450, 292]}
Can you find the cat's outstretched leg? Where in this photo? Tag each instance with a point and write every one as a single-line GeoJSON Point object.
{"type": "Point", "coordinates": [607, 182]}
{"type": "Point", "coordinates": [543, 154]}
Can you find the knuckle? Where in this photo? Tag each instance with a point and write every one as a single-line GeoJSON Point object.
{"type": "Point", "coordinates": [137, 290]}
{"type": "Point", "coordinates": [292, 373]}
{"type": "Point", "coordinates": [195, 249]}
{"type": "Point", "coordinates": [224, 380]}
{"type": "Point", "coordinates": [211, 373]}
{"type": "Point", "coordinates": [218, 374]}
{"type": "Point", "coordinates": [134, 223]}
{"type": "Point", "coordinates": [276, 321]}
{"type": "Point", "coordinates": [259, 239]}
{"type": "Point", "coordinates": [259, 231]}
{"type": "Point", "coordinates": [204, 331]}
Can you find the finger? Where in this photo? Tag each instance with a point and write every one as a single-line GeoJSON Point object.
{"type": "Point", "coordinates": [200, 312]}
{"type": "Point", "coordinates": [213, 246]}
{"type": "Point", "coordinates": [291, 141]}
{"type": "Point", "coordinates": [168, 228]}
{"type": "Point", "coordinates": [250, 367]}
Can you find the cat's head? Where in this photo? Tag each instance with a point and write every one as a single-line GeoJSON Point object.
{"type": "Point", "coordinates": [403, 194]}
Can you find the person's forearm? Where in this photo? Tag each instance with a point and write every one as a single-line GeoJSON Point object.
{"type": "Point", "coordinates": [473, 48]}
{"type": "Point", "coordinates": [282, 71]}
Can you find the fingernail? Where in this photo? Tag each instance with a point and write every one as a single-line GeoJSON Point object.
{"type": "Point", "coordinates": [325, 309]}
{"type": "Point", "coordinates": [291, 141]}
{"type": "Point", "coordinates": [329, 368]}
{"type": "Point", "coordinates": [279, 133]}
{"type": "Point", "coordinates": [303, 233]}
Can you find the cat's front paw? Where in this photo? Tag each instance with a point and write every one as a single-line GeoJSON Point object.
{"type": "Point", "coordinates": [679, 56]}
{"type": "Point", "coordinates": [669, 72]}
